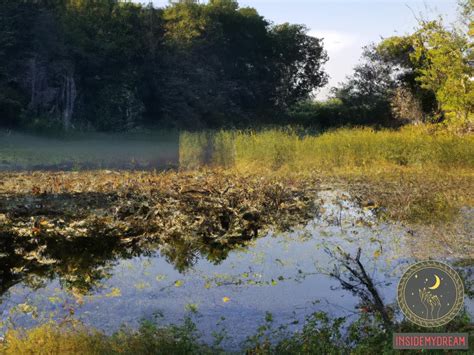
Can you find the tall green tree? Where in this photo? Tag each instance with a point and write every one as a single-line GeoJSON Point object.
{"type": "Point", "coordinates": [434, 61]}
{"type": "Point", "coordinates": [117, 65]}
{"type": "Point", "coordinates": [298, 60]}
{"type": "Point", "coordinates": [365, 96]}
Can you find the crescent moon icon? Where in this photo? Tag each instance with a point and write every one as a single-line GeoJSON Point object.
{"type": "Point", "coordinates": [437, 283]}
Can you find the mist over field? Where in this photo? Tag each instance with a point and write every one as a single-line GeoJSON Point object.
{"type": "Point", "coordinates": [148, 151]}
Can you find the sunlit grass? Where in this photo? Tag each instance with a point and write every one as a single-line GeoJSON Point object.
{"type": "Point", "coordinates": [353, 148]}
{"type": "Point", "coordinates": [280, 149]}
{"type": "Point", "coordinates": [319, 334]}
{"type": "Point", "coordinates": [74, 338]}
{"type": "Point", "coordinates": [420, 173]}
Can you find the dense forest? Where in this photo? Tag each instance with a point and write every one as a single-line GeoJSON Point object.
{"type": "Point", "coordinates": [112, 65]}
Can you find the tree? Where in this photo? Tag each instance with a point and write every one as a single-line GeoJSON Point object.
{"type": "Point", "coordinates": [444, 67]}
{"type": "Point", "coordinates": [116, 65]}
{"type": "Point", "coordinates": [366, 94]}
{"type": "Point", "coordinates": [397, 52]}
{"type": "Point", "coordinates": [434, 64]}
{"type": "Point", "coordinates": [298, 60]}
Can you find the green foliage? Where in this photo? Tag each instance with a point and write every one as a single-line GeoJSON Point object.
{"type": "Point", "coordinates": [419, 77]}
{"type": "Point", "coordinates": [300, 67]}
{"type": "Point", "coordinates": [121, 109]}
{"type": "Point", "coordinates": [320, 334]}
{"type": "Point", "coordinates": [435, 62]}
{"type": "Point", "coordinates": [323, 335]}
{"type": "Point", "coordinates": [445, 69]}
{"type": "Point", "coordinates": [319, 114]}
{"type": "Point", "coordinates": [115, 65]}
{"type": "Point", "coordinates": [185, 21]}
{"type": "Point", "coordinates": [365, 95]}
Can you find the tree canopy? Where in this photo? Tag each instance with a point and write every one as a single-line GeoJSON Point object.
{"type": "Point", "coordinates": [115, 65]}
{"type": "Point", "coordinates": [425, 76]}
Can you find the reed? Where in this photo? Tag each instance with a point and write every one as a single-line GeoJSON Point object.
{"type": "Point", "coordinates": [287, 149]}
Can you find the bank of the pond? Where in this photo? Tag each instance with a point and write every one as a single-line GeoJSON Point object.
{"type": "Point", "coordinates": [320, 334]}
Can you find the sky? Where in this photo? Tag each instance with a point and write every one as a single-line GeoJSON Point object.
{"type": "Point", "coordinates": [348, 25]}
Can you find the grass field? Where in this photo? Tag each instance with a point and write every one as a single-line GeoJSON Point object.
{"type": "Point", "coordinates": [341, 149]}
{"type": "Point", "coordinates": [420, 173]}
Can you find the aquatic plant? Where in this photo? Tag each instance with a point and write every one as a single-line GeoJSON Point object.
{"type": "Point", "coordinates": [53, 217]}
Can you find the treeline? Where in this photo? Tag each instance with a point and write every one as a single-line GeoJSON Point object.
{"type": "Point", "coordinates": [112, 65]}
{"type": "Point", "coordinates": [422, 77]}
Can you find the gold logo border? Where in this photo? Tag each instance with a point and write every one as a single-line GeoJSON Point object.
{"type": "Point", "coordinates": [430, 323]}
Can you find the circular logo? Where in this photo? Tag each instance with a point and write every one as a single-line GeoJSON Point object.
{"type": "Point", "coordinates": [430, 293]}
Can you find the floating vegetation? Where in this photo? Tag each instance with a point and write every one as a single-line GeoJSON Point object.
{"type": "Point", "coordinates": [214, 206]}
{"type": "Point", "coordinates": [92, 218]}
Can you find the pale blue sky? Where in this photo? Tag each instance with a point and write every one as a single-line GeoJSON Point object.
{"type": "Point", "coordinates": [348, 25]}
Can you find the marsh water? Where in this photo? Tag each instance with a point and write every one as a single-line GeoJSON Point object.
{"type": "Point", "coordinates": [288, 275]}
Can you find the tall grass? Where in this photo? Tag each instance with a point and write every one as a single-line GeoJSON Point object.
{"type": "Point", "coordinates": [343, 148]}
{"type": "Point", "coordinates": [417, 174]}
{"type": "Point", "coordinates": [75, 338]}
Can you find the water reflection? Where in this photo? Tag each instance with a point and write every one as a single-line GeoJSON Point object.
{"type": "Point", "coordinates": [106, 282]}
{"type": "Point", "coordinates": [81, 264]}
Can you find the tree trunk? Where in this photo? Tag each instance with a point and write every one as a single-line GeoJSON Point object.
{"type": "Point", "coordinates": [68, 99]}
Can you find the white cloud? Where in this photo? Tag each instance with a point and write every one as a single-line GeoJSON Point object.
{"type": "Point", "coordinates": [336, 41]}
{"type": "Point", "coordinates": [344, 50]}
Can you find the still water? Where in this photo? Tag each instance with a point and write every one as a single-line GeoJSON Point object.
{"type": "Point", "coordinates": [288, 275]}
